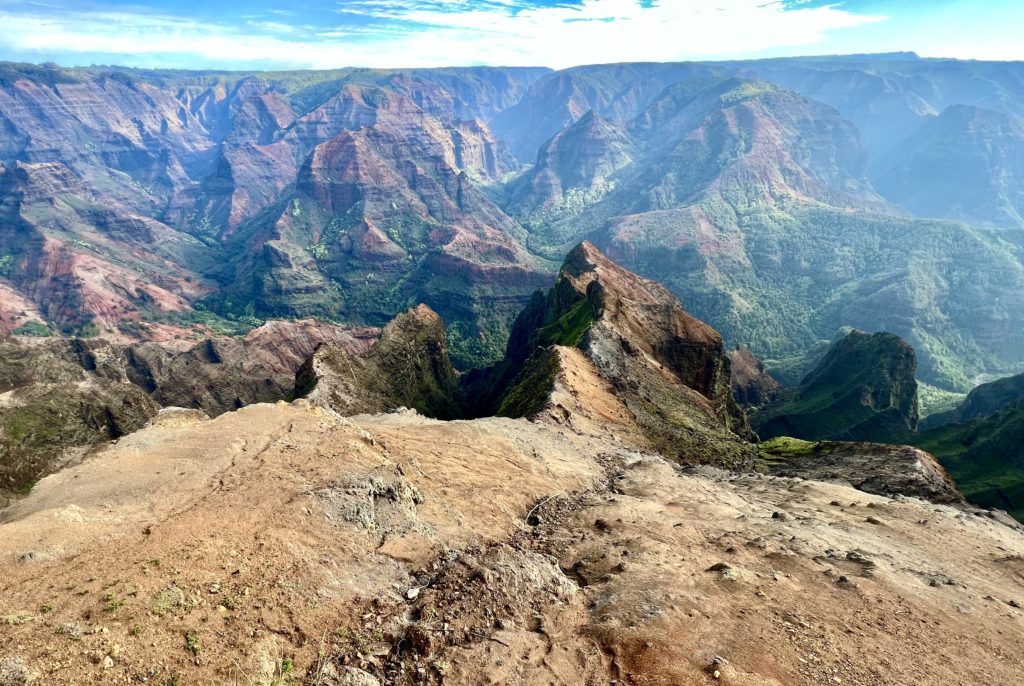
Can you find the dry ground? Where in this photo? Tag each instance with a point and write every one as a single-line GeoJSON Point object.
{"type": "Point", "coordinates": [280, 543]}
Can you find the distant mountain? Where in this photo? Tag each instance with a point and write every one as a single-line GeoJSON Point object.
{"type": "Point", "coordinates": [863, 390]}
{"type": "Point", "coordinates": [754, 205]}
{"type": "Point", "coordinates": [148, 203]}
{"type": "Point", "coordinates": [967, 163]}
{"type": "Point", "coordinates": [985, 456]}
{"type": "Point", "coordinates": [984, 401]}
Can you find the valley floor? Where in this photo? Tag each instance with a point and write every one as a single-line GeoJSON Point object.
{"type": "Point", "coordinates": [283, 544]}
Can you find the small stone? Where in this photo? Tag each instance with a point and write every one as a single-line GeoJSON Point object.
{"type": "Point", "coordinates": [108, 662]}
{"type": "Point", "coordinates": [719, 567]}
{"type": "Point", "coordinates": [873, 520]}
{"type": "Point", "coordinates": [717, 674]}
{"type": "Point", "coordinates": [782, 516]}
{"type": "Point", "coordinates": [14, 672]}
{"type": "Point", "coordinates": [1014, 603]}
{"type": "Point", "coordinates": [412, 593]}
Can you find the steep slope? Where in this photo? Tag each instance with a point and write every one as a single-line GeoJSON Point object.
{"type": "Point", "coordinates": [573, 169]}
{"type": "Point", "coordinates": [53, 410]}
{"type": "Point", "coordinates": [964, 164]}
{"type": "Point", "coordinates": [129, 195]}
{"type": "Point", "coordinates": [890, 96]}
{"type": "Point", "coordinates": [407, 367]}
{"type": "Point", "coordinates": [286, 542]}
{"type": "Point", "coordinates": [667, 370]}
{"type": "Point", "coordinates": [864, 389]}
{"type": "Point", "coordinates": [383, 217]}
{"type": "Point", "coordinates": [611, 91]}
{"type": "Point", "coordinates": [985, 456]}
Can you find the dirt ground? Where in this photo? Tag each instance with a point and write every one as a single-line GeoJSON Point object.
{"type": "Point", "coordinates": [282, 544]}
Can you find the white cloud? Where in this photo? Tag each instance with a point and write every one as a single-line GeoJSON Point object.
{"type": "Point", "coordinates": [424, 33]}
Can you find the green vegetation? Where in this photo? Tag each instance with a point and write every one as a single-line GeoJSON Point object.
{"type": "Point", "coordinates": [112, 603]}
{"type": "Point", "coordinates": [781, 450]}
{"type": "Point", "coordinates": [6, 265]}
{"type": "Point", "coordinates": [168, 600]}
{"type": "Point", "coordinates": [570, 328]}
{"type": "Point", "coordinates": [747, 90]}
{"type": "Point", "coordinates": [192, 643]}
{"type": "Point", "coordinates": [34, 329]}
{"type": "Point", "coordinates": [530, 390]}
{"type": "Point", "coordinates": [933, 400]}
{"type": "Point", "coordinates": [863, 389]}
{"type": "Point", "coordinates": [985, 457]}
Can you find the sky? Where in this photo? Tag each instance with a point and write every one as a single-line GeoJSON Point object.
{"type": "Point", "coordinates": [323, 34]}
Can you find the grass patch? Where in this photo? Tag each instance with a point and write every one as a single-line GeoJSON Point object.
{"type": "Point", "coordinates": [192, 643]}
{"type": "Point", "coordinates": [782, 449]}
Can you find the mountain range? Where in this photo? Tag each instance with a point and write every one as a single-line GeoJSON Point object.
{"type": "Point", "coordinates": [780, 200]}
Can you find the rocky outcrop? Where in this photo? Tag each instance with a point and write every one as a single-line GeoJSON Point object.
{"type": "Point", "coordinates": [667, 369]}
{"type": "Point", "coordinates": [871, 467]}
{"type": "Point", "coordinates": [864, 389]}
{"type": "Point", "coordinates": [60, 397]}
{"type": "Point", "coordinates": [752, 386]}
{"type": "Point", "coordinates": [220, 373]}
{"type": "Point", "coordinates": [407, 367]}
{"type": "Point", "coordinates": [53, 410]}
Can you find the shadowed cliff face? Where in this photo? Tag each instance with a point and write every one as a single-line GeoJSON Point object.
{"type": "Point", "coordinates": [983, 401]}
{"type": "Point", "coordinates": [863, 389]}
{"type": "Point", "coordinates": [752, 386]}
{"type": "Point", "coordinates": [985, 456]}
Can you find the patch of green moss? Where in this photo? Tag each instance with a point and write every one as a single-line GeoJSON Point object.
{"type": "Point", "coordinates": [782, 449]}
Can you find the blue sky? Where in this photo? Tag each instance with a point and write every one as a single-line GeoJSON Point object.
{"type": "Point", "coordinates": [269, 34]}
